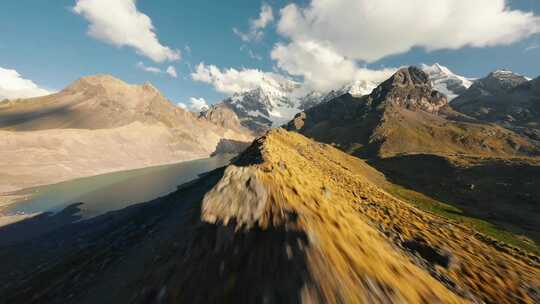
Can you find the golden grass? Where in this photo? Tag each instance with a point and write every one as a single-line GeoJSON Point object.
{"type": "Point", "coordinates": [356, 231]}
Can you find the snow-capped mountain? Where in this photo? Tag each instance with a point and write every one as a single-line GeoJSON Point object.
{"type": "Point", "coordinates": [275, 103]}
{"type": "Point", "coordinates": [445, 81]}
{"type": "Point", "coordinates": [506, 98]}
{"type": "Point", "coordinates": [501, 80]}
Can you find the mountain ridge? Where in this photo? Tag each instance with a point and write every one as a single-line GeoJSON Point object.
{"type": "Point", "coordinates": [101, 124]}
{"type": "Point", "coordinates": [265, 107]}
{"type": "Point", "coordinates": [405, 115]}
{"type": "Point", "coordinates": [311, 223]}
{"type": "Point", "coordinates": [505, 98]}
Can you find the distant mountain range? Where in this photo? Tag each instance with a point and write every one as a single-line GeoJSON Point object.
{"type": "Point", "coordinates": [390, 194]}
{"type": "Point", "coordinates": [410, 112]}
{"type": "Point", "coordinates": [101, 124]}
{"type": "Point", "coordinates": [406, 115]}
{"type": "Point", "coordinates": [506, 98]}
{"type": "Point", "coordinates": [273, 104]}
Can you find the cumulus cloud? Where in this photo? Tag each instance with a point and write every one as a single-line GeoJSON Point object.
{"type": "Point", "coordinates": [329, 43]}
{"type": "Point", "coordinates": [321, 67]}
{"type": "Point", "coordinates": [231, 80]}
{"type": "Point", "coordinates": [172, 71]}
{"type": "Point", "coordinates": [197, 104]}
{"type": "Point", "coordinates": [149, 69]}
{"type": "Point", "coordinates": [257, 25]}
{"type": "Point", "coordinates": [370, 30]}
{"type": "Point", "coordinates": [13, 85]}
{"type": "Point", "coordinates": [121, 24]}
{"type": "Point", "coordinates": [182, 105]}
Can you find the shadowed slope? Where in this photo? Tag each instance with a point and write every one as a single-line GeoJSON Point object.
{"type": "Point", "coordinates": [298, 221]}
{"type": "Point", "coordinates": [291, 221]}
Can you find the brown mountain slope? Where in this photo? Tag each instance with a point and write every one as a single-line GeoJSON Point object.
{"type": "Point", "coordinates": [97, 102]}
{"type": "Point", "coordinates": [290, 221]}
{"type": "Point", "coordinates": [503, 191]}
{"type": "Point", "coordinates": [485, 172]}
{"type": "Point", "coordinates": [100, 124]}
{"type": "Point", "coordinates": [404, 115]}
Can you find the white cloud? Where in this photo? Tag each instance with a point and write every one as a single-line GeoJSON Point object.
{"type": "Point", "coordinates": [532, 47]}
{"type": "Point", "coordinates": [172, 72]}
{"type": "Point", "coordinates": [370, 30]}
{"type": "Point", "coordinates": [119, 23]}
{"type": "Point", "coordinates": [149, 69]}
{"type": "Point", "coordinates": [257, 25]}
{"type": "Point", "coordinates": [231, 80]}
{"type": "Point", "coordinates": [321, 67]}
{"type": "Point", "coordinates": [12, 86]}
{"type": "Point", "coordinates": [197, 104]}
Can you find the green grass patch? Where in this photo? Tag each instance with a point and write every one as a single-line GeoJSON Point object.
{"type": "Point", "coordinates": [448, 211]}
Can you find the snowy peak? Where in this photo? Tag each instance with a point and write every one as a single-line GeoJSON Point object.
{"type": "Point", "coordinates": [274, 103]}
{"type": "Point", "coordinates": [506, 78]}
{"type": "Point", "coordinates": [436, 69]}
{"type": "Point", "coordinates": [445, 81]}
{"type": "Point", "coordinates": [359, 87]}
{"type": "Point", "coordinates": [498, 82]}
{"type": "Point", "coordinates": [264, 107]}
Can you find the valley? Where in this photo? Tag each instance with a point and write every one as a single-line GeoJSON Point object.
{"type": "Point", "coordinates": [342, 228]}
{"type": "Point", "coordinates": [270, 152]}
{"type": "Point", "coordinates": [393, 196]}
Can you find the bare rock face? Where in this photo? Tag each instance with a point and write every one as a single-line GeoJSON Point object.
{"type": "Point", "coordinates": [223, 116]}
{"type": "Point", "coordinates": [410, 88]}
{"type": "Point", "coordinates": [239, 196]}
{"type": "Point", "coordinates": [297, 123]}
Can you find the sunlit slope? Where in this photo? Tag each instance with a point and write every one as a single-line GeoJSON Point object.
{"type": "Point", "coordinates": [297, 220]}
{"type": "Point", "coordinates": [101, 124]}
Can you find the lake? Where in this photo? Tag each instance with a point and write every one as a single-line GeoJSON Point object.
{"type": "Point", "coordinates": [112, 191]}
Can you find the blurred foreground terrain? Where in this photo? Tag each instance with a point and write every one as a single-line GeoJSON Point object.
{"type": "Point", "coordinates": [289, 221]}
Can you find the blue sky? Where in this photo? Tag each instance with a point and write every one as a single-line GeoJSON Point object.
{"type": "Point", "coordinates": [48, 43]}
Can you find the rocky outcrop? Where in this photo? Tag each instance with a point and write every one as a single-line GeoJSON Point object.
{"type": "Point", "coordinates": [240, 198]}
{"type": "Point", "coordinates": [409, 88]}
{"type": "Point", "coordinates": [223, 116]}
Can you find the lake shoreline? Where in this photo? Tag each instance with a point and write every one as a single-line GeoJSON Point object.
{"type": "Point", "coordinates": [104, 192]}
